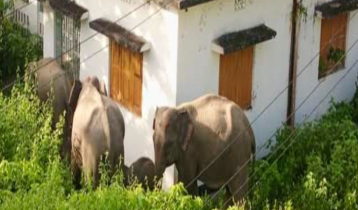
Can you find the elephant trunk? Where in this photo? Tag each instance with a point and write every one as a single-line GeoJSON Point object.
{"type": "Point", "coordinates": [159, 170]}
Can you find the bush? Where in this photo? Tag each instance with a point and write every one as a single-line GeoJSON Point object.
{"type": "Point", "coordinates": [319, 170]}
{"type": "Point", "coordinates": [17, 45]}
{"type": "Point", "coordinates": [33, 176]}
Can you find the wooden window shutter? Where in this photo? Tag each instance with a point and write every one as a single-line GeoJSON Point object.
{"type": "Point", "coordinates": [126, 77]}
{"type": "Point", "coordinates": [235, 79]}
{"type": "Point", "coordinates": [332, 28]}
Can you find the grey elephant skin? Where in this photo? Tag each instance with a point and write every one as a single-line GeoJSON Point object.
{"type": "Point", "coordinates": [143, 170]}
{"type": "Point", "coordinates": [192, 134]}
{"type": "Point", "coordinates": [98, 128]}
{"type": "Point", "coordinates": [48, 74]}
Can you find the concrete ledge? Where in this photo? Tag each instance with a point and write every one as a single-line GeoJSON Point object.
{"type": "Point", "coordinates": [69, 8]}
{"type": "Point", "coordinates": [333, 8]}
{"type": "Point", "coordinates": [240, 40]}
{"type": "Point", "coordinates": [120, 35]}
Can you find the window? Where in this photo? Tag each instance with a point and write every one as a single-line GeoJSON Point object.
{"type": "Point", "coordinates": [67, 45]}
{"type": "Point", "coordinates": [235, 79]}
{"type": "Point", "coordinates": [332, 52]}
{"type": "Point", "coordinates": [126, 77]}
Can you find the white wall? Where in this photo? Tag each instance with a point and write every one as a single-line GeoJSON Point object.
{"type": "Point", "coordinates": [198, 65]}
{"type": "Point", "coordinates": [49, 31]}
{"type": "Point", "coordinates": [159, 66]}
{"type": "Point", "coordinates": [31, 10]}
{"type": "Point", "coordinates": [309, 44]}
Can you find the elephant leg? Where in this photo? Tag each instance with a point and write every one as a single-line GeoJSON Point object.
{"type": "Point", "coordinates": [96, 175]}
{"type": "Point", "coordinates": [239, 184]}
{"type": "Point", "coordinates": [113, 162]}
{"type": "Point", "coordinates": [227, 199]}
{"type": "Point", "coordinates": [76, 173]}
{"type": "Point", "coordinates": [187, 175]}
{"type": "Point", "coordinates": [91, 166]}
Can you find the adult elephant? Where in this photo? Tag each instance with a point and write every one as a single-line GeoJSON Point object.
{"type": "Point", "coordinates": [98, 127]}
{"type": "Point", "coordinates": [49, 76]}
{"type": "Point", "coordinates": [194, 133]}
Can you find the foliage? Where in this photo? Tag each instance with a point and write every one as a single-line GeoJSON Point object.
{"type": "Point", "coordinates": [302, 11]}
{"type": "Point", "coordinates": [335, 54]}
{"type": "Point", "coordinates": [323, 66]}
{"type": "Point", "coordinates": [32, 175]}
{"type": "Point", "coordinates": [332, 62]}
{"type": "Point", "coordinates": [17, 45]}
{"type": "Point", "coordinates": [28, 146]}
{"type": "Point", "coordinates": [319, 170]}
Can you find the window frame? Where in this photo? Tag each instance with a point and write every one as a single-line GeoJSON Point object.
{"type": "Point", "coordinates": [67, 43]}
{"type": "Point", "coordinates": [135, 111]}
{"type": "Point", "coordinates": [251, 76]}
{"type": "Point", "coordinates": [325, 67]}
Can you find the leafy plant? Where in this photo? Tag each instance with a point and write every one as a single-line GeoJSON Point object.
{"type": "Point", "coordinates": [302, 11]}
{"type": "Point", "coordinates": [322, 67]}
{"type": "Point", "coordinates": [17, 45]}
{"type": "Point", "coordinates": [335, 54]}
{"type": "Point", "coordinates": [318, 171]}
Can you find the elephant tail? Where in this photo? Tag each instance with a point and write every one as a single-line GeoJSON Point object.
{"type": "Point", "coordinates": [253, 150]}
{"type": "Point", "coordinates": [253, 154]}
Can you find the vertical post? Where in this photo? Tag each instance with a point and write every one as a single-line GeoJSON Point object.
{"type": "Point", "coordinates": [293, 67]}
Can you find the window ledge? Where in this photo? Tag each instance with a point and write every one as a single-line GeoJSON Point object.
{"type": "Point", "coordinates": [338, 68]}
{"type": "Point", "coordinates": [70, 8]}
{"type": "Point", "coordinates": [239, 40]}
{"type": "Point", "coordinates": [120, 35]}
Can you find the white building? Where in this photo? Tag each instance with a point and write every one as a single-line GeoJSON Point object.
{"type": "Point", "coordinates": [182, 49]}
{"type": "Point", "coordinates": [28, 13]}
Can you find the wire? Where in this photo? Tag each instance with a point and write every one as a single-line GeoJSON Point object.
{"type": "Point", "coordinates": [350, 69]}
{"type": "Point", "coordinates": [306, 98]}
{"type": "Point", "coordinates": [77, 45]}
{"type": "Point", "coordinates": [260, 114]}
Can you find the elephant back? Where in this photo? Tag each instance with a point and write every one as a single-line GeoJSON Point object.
{"type": "Point", "coordinates": [218, 116]}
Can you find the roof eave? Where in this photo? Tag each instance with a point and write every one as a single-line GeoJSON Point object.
{"type": "Point", "coordinates": [120, 35]}
{"type": "Point", "coordinates": [185, 4]}
{"type": "Point", "coordinates": [258, 34]}
{"type": "Point", "coordinates": [336, 7]}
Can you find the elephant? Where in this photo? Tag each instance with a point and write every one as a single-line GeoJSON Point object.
{"type": "Point", "coordinates": [143, 170]}
{"type": "Point", "coordinates": [193, 133]}
{"type": "Point", "coordinates": [48, 74]}
{"type": "Point", "coordinates": [98, 127]}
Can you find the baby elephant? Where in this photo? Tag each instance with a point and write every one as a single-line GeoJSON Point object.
{"type": "Point", "coordinates": [143, 171]}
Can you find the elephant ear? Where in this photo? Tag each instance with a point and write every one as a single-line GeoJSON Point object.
{"type": "Point", "coordinates": [75, 93]}
{"type": "Point", "coordinates": [186, 128]}
{"type": "Point", "coordinates": [102, 88]}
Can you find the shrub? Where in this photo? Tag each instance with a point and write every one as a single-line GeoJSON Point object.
{"type": "Point", "coordinates": [17, 45]}
{"type": "Point", "coordinates": [319, 170]}
{"type": "Point", "coordinates": [33, 176]}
